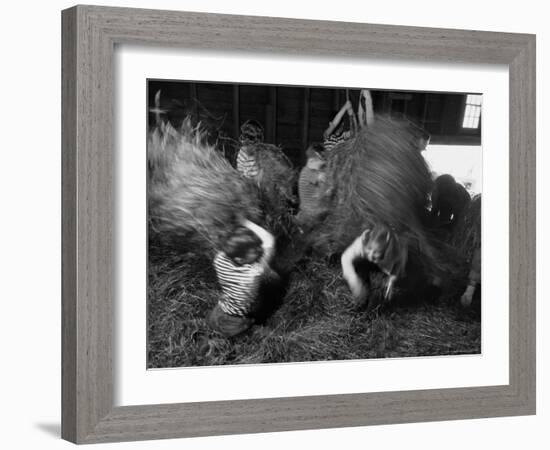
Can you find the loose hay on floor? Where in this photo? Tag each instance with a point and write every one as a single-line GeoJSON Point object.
{"type": "Point", "coordinates": [314, 323]}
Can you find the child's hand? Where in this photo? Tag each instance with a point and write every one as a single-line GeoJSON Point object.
{"type": "Point", "coordinates": [247, 223]}
{"type": "Point", "coordinates": [466, 299]}
{"type": "Point", "coordinates": [359, 291]}
{"type": "Point", "coordinates": [358, 298]}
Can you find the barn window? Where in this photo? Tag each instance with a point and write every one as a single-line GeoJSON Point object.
{"type": "Point", "coordinates": [472, 111]}
{"type": "Point", "coordinates": [463, 162]}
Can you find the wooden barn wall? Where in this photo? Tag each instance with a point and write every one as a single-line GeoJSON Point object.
{"type": "Point", "coordinates": [294, 117]}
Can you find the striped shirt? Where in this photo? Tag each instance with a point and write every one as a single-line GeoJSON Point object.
{"type": "Point", "coordinates": [247, 164]}
{"type": "Point", "coordinates": [241, 284]}
{"type": "Point", "coordinates": [309, 189]}
{"type": "Point", "coordinates": [334, 139]}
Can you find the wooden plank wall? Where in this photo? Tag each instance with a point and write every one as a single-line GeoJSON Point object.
{"type": "Point", "coordinates": [294, 117]}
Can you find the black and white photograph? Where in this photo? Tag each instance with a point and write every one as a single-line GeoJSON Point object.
{"type": "Point", "coordinates": [293, 224]}
{"type": "Point", "coordinates": [258, 225]}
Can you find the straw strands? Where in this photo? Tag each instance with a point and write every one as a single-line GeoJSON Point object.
{"type": "Point", "coordinates": [377, 177]}
{"type": "Point", "coordinates": [193, 188]}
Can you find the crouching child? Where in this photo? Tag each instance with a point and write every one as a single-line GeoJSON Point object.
{"type": "Point", "coordinates": [242, 267]}
{"type": "Point", "coordinates": [382, 247]}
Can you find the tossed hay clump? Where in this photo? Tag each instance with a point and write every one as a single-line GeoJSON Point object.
{"type": "Point", "coordinates": [379, 176]}
{"type": "Point", "coordinates": [193, 190]}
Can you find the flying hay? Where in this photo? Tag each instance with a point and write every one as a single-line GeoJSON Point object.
{"type": "Point", "coordinates": [379, 176]}
{"type": "Point", "coordinates": [192, 188]}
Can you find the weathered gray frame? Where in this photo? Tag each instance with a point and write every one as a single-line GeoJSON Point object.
{"type": "Point", "coordinates": [89, 36]}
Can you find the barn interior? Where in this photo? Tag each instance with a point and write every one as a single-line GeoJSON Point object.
{"type": "Point", "coordinates": [293, 117]}
{"type": "Point", "coordinates": [314, 320]}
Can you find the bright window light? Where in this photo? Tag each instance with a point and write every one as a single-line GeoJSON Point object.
{"type": "Point", "coordinates": [472, 111]}
{"type": "Point", "coordinates": [463, 162]}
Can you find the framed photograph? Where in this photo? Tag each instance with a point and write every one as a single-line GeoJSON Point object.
{"type": "Point", "coordinates": [265, 229]}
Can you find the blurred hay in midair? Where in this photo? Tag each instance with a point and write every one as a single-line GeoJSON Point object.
{"type": "Point", "coordinates": [193, 188]}
{"type": "Point", "coordinates": [176, 111]}
{"type": "Point", "coordinates": [379, 176]}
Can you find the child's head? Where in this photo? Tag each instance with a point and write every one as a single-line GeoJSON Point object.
{"type": "Point", "coordinates": [251, 132]}
{"type": "Point", "coordinates": [376, 242]}
{"type": "Point", "coordinates": [243, 246]}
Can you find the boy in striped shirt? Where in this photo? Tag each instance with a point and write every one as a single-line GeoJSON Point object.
{"type": "Point", "coordinates": [242, 266]}
{"type": "Point", "coordinates": [252, 133]}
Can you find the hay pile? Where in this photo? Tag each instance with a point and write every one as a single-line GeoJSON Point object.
{"type": "Point", "coordinates": [314, 322]}
{"type": "Point", "coordinates": [193, 190]}
{"type": "Point", "coordinates": [379, 176]}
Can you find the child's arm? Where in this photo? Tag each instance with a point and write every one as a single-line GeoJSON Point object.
{"type": "Point", "coordinates": [353, 252]}
{"type": "Point", "coordinates": [337, 119]}
{"type": "Point", "coordinates": [268, 241]}
{"type": "Point", "coordinates": [474, 278]}
{"type": "Point", "coordinates": [369, 111]}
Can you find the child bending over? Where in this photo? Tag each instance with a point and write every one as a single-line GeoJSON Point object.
{"type": "Point", "coordinates": [380, 246]}
{"type": "Point", "coordinates": [241, 267]}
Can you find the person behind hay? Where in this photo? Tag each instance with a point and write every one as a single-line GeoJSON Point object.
{"type": "Point", "coordinates": [449, 199]}
{"type": "Point", "coordinates": [380, 177]}
{"type": "Point", "coordinates": [242, 266]}
{"type": "Point", "coordinates": [252, 134]}
{"type": "Point", "coordinates": [270, 172]}
{"type": "Point", "coordinates": [466, 239]}
{"type": "Point", "coordinates": [311, 184]}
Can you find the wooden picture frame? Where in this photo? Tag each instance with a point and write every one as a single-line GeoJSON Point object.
{"type": "Point", "coordinates": [90, 34]}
